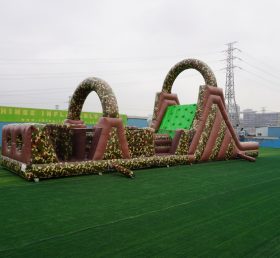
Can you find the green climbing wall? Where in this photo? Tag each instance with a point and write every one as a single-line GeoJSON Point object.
{"type": "Point", "coordinates": [177, 117]}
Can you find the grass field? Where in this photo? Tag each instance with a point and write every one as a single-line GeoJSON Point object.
{"type": "Point", "coordinates": [218, 209]}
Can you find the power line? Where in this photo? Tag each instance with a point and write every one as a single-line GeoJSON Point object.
{"type": "Point", "coordinates": [269, 66]}
{"type": "Point", "coordinates": [71, 73]}
{"type": "Point", "coordinates": [120, 84]}
{"type": "Point", "coordinates": [260, 77]}
{"type": "Point", "coordinates": [94, 59]}
{"type": "Point", "coordinates": [261, 70]}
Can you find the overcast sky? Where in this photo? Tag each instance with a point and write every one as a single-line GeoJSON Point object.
{"type": "Point", "coordinates": [48, 47]}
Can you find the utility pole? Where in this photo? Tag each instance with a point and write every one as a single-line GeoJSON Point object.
{"type": "Point", "coordinates": [231, 106]}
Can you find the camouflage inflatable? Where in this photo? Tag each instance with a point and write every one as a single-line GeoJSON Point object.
{"type": "Point", "coordinates": [36, 151]}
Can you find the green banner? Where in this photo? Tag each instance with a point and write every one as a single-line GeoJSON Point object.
{"type": "Point", "coordinates": [32, 115]}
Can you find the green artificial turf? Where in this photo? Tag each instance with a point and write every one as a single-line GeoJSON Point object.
{"type": "Point", "coordinates": [217, 209]}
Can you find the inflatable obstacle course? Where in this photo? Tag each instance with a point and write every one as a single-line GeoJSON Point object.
{"type": "Point", "coordinates": [200, 133]}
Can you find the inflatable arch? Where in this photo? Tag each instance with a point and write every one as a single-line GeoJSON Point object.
{"type": "Point", "coordinates": [103, 90]}
{"type": "Point", "coordinates": [107, 122]}
{"type": "Point", "coordinates": [165, 98]}
{"type": "Point", "coordinates": [198, 65]}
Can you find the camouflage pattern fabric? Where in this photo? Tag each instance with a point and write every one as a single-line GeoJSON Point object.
{"type": "Point", "coordinates": [185, 142]}
{"type": "Point", "coordinates": [206, 132]}
{"type": "Point", "coordinates": [199, 108]}
{"type": "Point", "coordinates": [253, 154]}
{"type": "Point", "coordinates": [198, 65]}
{"type": "Point", "coordinates": [156, 106]}
{"type": "Point", "coordinates": [140, 142]}
{"type": "Point", "coordinates": [64, 169]}
{"type": "Point", "coordinates": [19, 142]}
{"type": "Point", "coordinates": [92, 167]}
{"type": "Point", "coordinates": [219, 141]}
{"type": "Point", "coordinates": [42, 150]}
{"type": "Point", "coordinates": [104, 92]}
{"type": "Point", "coordinates": [61, 137]}
{"type": "Point", "coordinates": [229, 150]}
{"type": "Point", "coordinates": [16, 167]}
{"type": "Point", "coordinates": [125, 171]}
{"type": "Point", "coordinates": [113, 150]}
